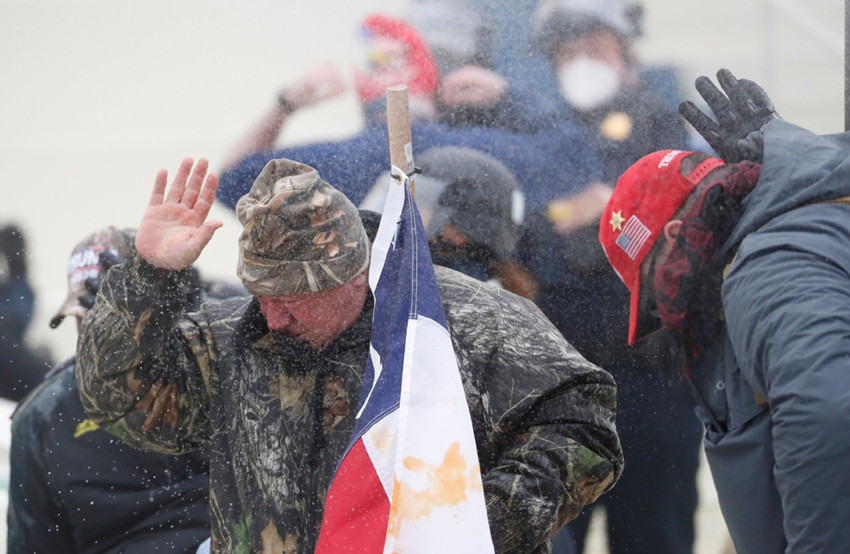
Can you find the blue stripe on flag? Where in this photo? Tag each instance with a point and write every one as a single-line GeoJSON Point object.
{"type": "Point", "coordinates": [408, 255]}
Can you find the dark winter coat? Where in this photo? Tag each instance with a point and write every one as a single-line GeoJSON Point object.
{"type": "Point", "coordinates": [634, 123]}
{"type": "Point", "coordinates": [777, 406]}
{"type": "Point", "coordinates": [277, 415]}
{"type": "Point", "coordinates": [74, 488]}
{"type": "Point", "coordinates": [573, 271]}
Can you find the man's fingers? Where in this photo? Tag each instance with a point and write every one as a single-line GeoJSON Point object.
{"type": "Point", "coordinates": [715, 99]}
{"type": "Point", "coordinates": [710, 93]}
{"type": "Point", "coordinates": [178, 184]}
{"type": "Point", "coordinates": [204, 234]}
{"type": "Point", "coordinates": [190, 195]}
{"type": "Point", "coordinates": [762, 102]}
{"type": "Point", "coordinates": [92, 284]}
{"type": "Point", "coordinates": [108, 258]}
{"type": "Point", "coordinates": [206, 196]}
{"type": "Point", "coordinates": [728, 81]}
{"type": "Point", "coordinates": [158, 193]}
{"type": "Point", "coordinates": [704, 125]}
{"type": "Point", "coordinates": [752, 147]}
{"type": "Point", "coordinates": [87, 300]}
{"type": "Point", "coordinates": [738, 94]}
{"type": "Point", "coordinates": [693, 115]}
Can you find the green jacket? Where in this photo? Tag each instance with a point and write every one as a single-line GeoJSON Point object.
{"type": "Point", "coordinates": [278, 415]}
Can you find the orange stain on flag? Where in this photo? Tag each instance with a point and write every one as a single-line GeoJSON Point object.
{"type": "Point", "coordinates": [449, 484]}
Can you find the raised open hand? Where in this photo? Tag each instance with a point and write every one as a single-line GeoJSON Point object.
{"type": "Point", "coordinates": [174, 229]}
{"type": "Point", "coordinates": [741, 113]}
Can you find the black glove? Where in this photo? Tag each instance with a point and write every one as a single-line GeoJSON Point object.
{"type": "Point", "coordinates": [737, 135]}
{"type": "Point", "coordinates": [107, 259]}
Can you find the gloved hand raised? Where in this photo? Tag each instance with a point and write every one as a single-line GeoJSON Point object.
{"type": "Point", "coordinates": [741, 113]}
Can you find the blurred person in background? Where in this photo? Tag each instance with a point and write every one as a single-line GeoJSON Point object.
{"type": "Point", "coordinates": [22, 365]}
{"type": "Point", "coordinates": [589, 46]}
{"type": "Point", "coordinates": [470, 91]}
{"type": "Point", "coordinates": [472, 208]}
{"type": "Point", "coordinates": [75, 487]}
{"type": "Point", "coordinates": [549, 156]}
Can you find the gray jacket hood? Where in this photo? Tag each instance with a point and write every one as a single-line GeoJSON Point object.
{"type": "Point", "coordinates": [799, 168]}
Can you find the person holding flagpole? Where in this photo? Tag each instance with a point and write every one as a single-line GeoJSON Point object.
{"type": "Point", "coordinates": [270, 382]}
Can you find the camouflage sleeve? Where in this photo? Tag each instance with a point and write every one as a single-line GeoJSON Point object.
{"type": "Point", "coordinates": [553, 469]}
{"type": "Point", "coordinates": [551, 443]}
{"type": "Point", "coordinates": [143, 373]}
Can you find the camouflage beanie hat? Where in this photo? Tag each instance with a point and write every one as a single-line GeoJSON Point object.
{"type": "Point", "coordinates": [299, 233]}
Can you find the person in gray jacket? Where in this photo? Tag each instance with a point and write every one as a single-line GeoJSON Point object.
{"type": "Point", "coordinates": [745, 261]}
{"type": "Point", "coordinates": [269, 382]}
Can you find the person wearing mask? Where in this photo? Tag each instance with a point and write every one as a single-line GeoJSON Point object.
{"type": "Point", "coordinates": [551, 156]}
{"type": "Point", "coordinates": [589, 46]}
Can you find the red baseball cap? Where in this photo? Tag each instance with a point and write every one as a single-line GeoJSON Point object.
{"type": "Point", "coordinates": [647, 196]}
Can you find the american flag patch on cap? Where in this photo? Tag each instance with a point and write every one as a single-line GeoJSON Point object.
{"type": "Point", "coordinates": [633, 236]}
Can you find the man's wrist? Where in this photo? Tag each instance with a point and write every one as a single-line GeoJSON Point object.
{"type": "Point", "coordinates": [156, 282]}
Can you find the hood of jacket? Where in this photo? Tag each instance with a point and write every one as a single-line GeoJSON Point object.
{"type": "Point", "coordinates": [799, 168]}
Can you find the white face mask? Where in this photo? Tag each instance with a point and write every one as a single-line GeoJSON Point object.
{"type": "Point", "coordinates": [586, 83]}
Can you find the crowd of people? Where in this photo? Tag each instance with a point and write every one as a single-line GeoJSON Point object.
{"type": "Point", "coordinates": [565, 156]}
{"type": "Point", "coordinates": [605, 274]}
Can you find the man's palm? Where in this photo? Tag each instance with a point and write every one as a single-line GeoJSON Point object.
{"type": "Point", "coordinates": [174, 229]}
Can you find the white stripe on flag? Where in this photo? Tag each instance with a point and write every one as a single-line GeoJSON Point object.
{"type": "Point", "coordinates": [431, 512]}
{"type": "Point", "coordinates": [410, 481]}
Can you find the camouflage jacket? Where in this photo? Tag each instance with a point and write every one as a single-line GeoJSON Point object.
{"type": "Point", "coordinates": [278, 414]}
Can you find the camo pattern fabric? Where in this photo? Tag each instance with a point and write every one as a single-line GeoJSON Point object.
{"type": "Point", "coordinates": [278, 415]}
{"type": "Point", "coordinates": [299, 233]}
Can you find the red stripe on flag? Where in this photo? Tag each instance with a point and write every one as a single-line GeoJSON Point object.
{"type": "Point", "coordinates": [356, 509]}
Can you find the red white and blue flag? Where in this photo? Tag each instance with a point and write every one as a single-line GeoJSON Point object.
{"type": "Point", "coordinates": [410, 481]}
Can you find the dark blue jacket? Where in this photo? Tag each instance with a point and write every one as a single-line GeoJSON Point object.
{"type": "Point", "coordinates": [579, 291]}
{"type": "Point", "coordinates": [634, 123]}
{"type": "Point", "coordinates": [551, 162]}
{"type": "Point", "coordinates": [777, 389]}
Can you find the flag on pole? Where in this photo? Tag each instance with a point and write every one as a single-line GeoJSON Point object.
{"type": "Point", "coordinates": [409, 481]}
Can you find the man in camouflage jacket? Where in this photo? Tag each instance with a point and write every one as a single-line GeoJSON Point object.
{"type": "Point", "coordinates": [270, 382]}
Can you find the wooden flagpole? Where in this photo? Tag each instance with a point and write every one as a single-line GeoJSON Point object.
{"type": "Point", "coordinates": [398, 128]}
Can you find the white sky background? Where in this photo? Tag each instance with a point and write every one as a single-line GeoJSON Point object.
{"type": "Point", "coordinates": [97, 95]}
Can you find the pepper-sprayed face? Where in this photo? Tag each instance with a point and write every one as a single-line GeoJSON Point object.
{"type": "Point", "coordinates": [316, 318]}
